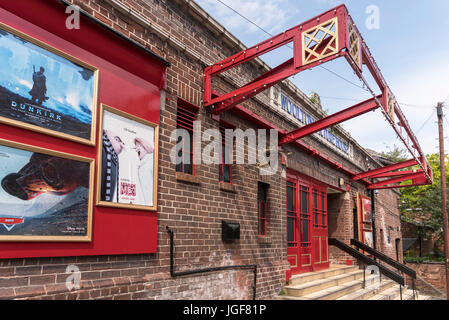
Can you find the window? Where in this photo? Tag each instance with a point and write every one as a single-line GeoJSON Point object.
{"type": "Point", "coordinates": [225, 168]}
{"type": "Point", "coordinates": [262, 190]}
{"type": "Point", "coordinates": [319, 209]}
{"type": "Point", "coordinates": [185, 117]}
{"type": "Point", "coordinates": [305, 217]}
{"type": "Point", "coordinates": [291, 215]}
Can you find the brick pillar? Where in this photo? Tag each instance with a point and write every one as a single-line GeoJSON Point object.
{"type": "Point", "coordinates": [340, 220]}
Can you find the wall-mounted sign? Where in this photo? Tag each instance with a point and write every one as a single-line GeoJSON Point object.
{"type": "Point", "coordinates": [46, 90]}
{"type": "Point", "coordinates": [293, 111]}
{"type": "Point", "coordinates": [128, 161]}
{"type": "Point", "coordinates": [45, 195]}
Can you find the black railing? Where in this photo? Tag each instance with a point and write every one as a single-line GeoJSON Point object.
{"type": "Point", "coordinates": [211, 269]}
{"type": "Point", "coordinates": [382, 257]}
{"type": "Point", "coordinates": [367, 261]}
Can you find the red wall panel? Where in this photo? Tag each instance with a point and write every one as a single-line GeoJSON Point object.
{"type": "Point", "coordinates": [115, 231]}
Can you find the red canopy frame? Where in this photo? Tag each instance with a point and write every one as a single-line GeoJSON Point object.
{"type": "Point", "coordinates": [328, 36]}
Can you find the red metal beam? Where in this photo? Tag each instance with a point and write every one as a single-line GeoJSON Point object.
{"type": "Point", "coordinates": [394, 174]}
{"type": "Point", "coordinates": [398, 186]}
{"type": "Point", "coordinates": [349, 113]}
{"type": "Point", "coordinates": [392, 167]}
{"type": "Point", "coordinates": [339, 38]}
{"type": "Point", "coordinates": [262, 123]}
{"type": "Point", "coordinates": [292, 35]}
{"type": "Point", "coordinates": [395, 180]}
{"type": "Point", "coordinates": [268, 79]}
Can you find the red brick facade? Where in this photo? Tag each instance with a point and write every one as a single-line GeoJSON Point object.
{"type": "Point", "coordinates": [194, 206]}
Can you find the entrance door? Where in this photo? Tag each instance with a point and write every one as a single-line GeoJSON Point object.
{"type": "Point", "coordinates": [320, 229]}
{"type": "Point", "coordinates": [292, 226]}
{"type": "Point", "coordinates": [307, 232]}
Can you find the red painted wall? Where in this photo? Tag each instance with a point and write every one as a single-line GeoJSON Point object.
{"type": "Point", "coordinates": [129, 80]}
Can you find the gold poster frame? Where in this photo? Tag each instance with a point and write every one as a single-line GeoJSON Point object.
{"type": "Point", "coordinates": [91, 162]}
{"type": "Point", "coordinates": [51, 132]}
{"type": "Point", "coordinates": [99, 202]}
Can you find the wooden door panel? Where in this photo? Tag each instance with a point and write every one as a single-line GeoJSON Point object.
{"type": "Point", "coordinates": [307, 248]}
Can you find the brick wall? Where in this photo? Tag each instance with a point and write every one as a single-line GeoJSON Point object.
{"type": "Point", "coordinates": [388, 224]}
{"type": "Point", "coordinates": [433, 273]}
{"type": "Point", "coordinates": [194, 207]}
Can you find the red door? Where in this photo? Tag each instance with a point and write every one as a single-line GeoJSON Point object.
{"type": "Point", "coordinates": [320, 229]}
{"type": "Point", "coordinates": [292, 226]}
{"type": "Point", "coordinates": [307, 232]}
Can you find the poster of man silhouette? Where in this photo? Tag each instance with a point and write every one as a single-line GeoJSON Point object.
{"type": "Point", "coordinates": [128, 161]}
{"type": "Point", "coordinates": [45, 90]}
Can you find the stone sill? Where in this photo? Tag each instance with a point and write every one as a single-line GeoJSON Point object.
{"type": "Point", "coordinates": [229, 187]}
{"type": "Point", "coordinates": [185, 177]}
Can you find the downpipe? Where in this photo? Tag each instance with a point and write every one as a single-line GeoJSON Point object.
{"type": "Point", "coordinates": [175, 274]}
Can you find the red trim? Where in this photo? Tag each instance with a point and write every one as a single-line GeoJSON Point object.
{"type": "Point", "coordinates": [264, 219]}
{"type": "Point", "coordinates": [185, 116]}
{"type": "Point", "coordinates": [128, 81]}
{"type": "Point", "coordinates": [223, 126]}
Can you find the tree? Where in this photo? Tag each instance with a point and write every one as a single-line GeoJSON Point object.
{"type": "Point", "coordinates": [423, 203]}
{"type": "Point", "coordinates": [396, 154]}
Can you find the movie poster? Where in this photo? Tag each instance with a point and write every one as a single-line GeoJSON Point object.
{"type": "Point", "coordinates": [128, 161]}
{"type": "Point", "coordinates": [44, 91]}
{"type": "Point", "coordinates": [44, 196]}
{"type": "Point", "coordinates": [366, 205]}
{"type": "Point", "coordinates": [368, 238]}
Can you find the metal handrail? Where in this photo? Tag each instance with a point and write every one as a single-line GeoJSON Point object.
{"type": "Point", "coordinates": [379, 255]}
{"type": "Point", "coordinates": [384, 258]}
{"type": "Point", "coordinates": [367, 260]}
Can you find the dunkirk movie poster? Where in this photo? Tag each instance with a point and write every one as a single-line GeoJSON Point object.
{"type": "Point", "coordinates": [41, 88]}
{"type": "Point", "coordinates": [127, 161]}
{"type": "Point", "coordinates": [42, 195]}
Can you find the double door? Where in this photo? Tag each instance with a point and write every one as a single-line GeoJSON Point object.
{"type": "Point", "coordinates": [307, 228]}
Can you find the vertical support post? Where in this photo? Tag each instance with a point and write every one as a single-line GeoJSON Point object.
{"type": "Point", "coordinates": [373, 218]}
{"type": "Point", "coordinates": [443, 193]}
{"type": "Point", "coordinates": [414, 289]}
{"type": "Point", "coordinates": [364, 275]}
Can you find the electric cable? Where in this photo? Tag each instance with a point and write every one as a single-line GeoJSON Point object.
{"type": "Point", "coordinates": [425, 122]}
{"type": "Point", "coordinates": [401, 103]}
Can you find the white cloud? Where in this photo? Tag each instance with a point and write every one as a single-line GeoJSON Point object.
{"type": "Point", "coordinates": [271, 15]}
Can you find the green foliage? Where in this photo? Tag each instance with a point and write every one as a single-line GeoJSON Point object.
{"type": "Point", "coordinates": [423, 203]}
{"type": "Point", "coordinates": [396, 154]}
{"type": "Point", "coordinates": [428, 258]}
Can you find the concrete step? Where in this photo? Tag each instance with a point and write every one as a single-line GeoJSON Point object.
{"type": "Point", "coordinates": [320, 284]}
{"type": "Point", "coordinates": [334, 270]}
{"type": "Point", "coordinates": [332, 293]}
{"type": "Point", "coordinates": [407, 295]}
{"type": "Point", "coordinates": [393, 293]}
{"type": "Point", "coordinates": [372, 288]}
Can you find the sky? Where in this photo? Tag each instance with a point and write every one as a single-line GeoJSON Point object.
{"type": "Point", "coordinates": [410, 45]}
